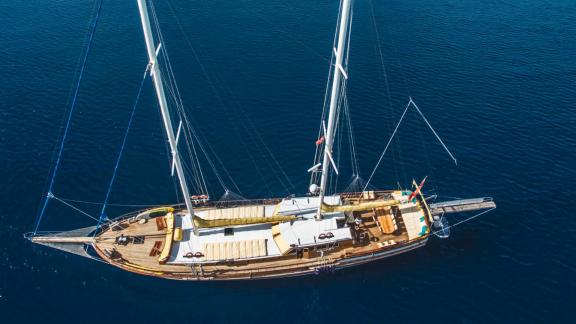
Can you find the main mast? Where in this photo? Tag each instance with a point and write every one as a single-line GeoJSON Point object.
{"type": "Point", "coordinates": [334, 99]}
{"type": "Point", "coordinates": [159, 86]}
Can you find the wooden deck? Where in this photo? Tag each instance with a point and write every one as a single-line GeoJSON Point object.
{"type": "Point", "coordinates": [142, 257]}
{"type": "Point", "coordinates": [137, 254]}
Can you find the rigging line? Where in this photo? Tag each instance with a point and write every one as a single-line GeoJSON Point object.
{"type": "Point", "coordinates": [339, 129]}
{"type": "Point", "coordinates": [93, 257]}
{"type": "Point", "coordinates": [433, 131]}
{"type": "Point", "coordinates": [211, 163]}
{"type": "Point", "coordinates": [320, 148]}
{"type": "Point", "coordinates": [407, 85]}
{"type": "Point", "coordinates": [73, 105]}
{"type": "Point", "coordinates": [176, 97]}
{"type": "Point", "coordinates": [194, 168]}
{"type": "Point", "coordinates": [285, 33]}
{"type": "Point", "coordinates": [349, 33]}
{"type": "Point", "coordinates": [194, 136]}
{"type": "Point", "coordinates": [168, 154]}
{"type": "Point", "coordinates": [420, 133]}
{"type": "Point", "coordinates": [72, 88]}
{"type": "Point", "coordinates": [348, 138]}
{"type": "Point", "coordinates": [339, 122]}
{"type": "Point", "coordinates": [253, 138]}
{"type": "Point", "coordinates": [381, 56]}
{"type": "Point", "coordinates": [209, 159]}
{"type": "Point", "coordinates": [172, 86]}
{"type": "Point", "coordinates": [54, 149]}
{"type": "Point", "coordinates": [212, 88]}
{"type": "Point", "coordinates": [234, 126]}
{"type": "Point", "coordinates": [388, 93]}
{"type": "Point", "coordinates": [191, 173]}
{"type": "Point", "coordinates": [73, 207]}
{"type": "Point", "coordinates": [354, 158]}
{"type": "Point", "coordinates": [464, 221]}
{"type": "Point", "coordinates": [241, 117]}
{"type": "Point", "coordinates": [201, 181]}
{"type": "Point", "coordinates": [196, 162]}
{"type": "Point", "coordinates": [111, 204]}
{"type": "Point", "coordinates": [224, 168]}
{"type": "Point", "coordinates": [191, 130]}
{"type": "Point", "coordinates": [251, 156]}
{"type": "Point", "coordinates": [351, 136]}
{"type": "Point", "coordinates": [388, 144]}
{"type": "Point", "coordinates": [334, 177]}
{"type": "Point", "coordinates": [449, 197]}
{"type": "Point", "coordinates": [395, 48]}
{"type": "Point", "coordinates": [269, 152]}
{"type": "Point", "coordinates": [120, 153]}
{"type": "Point", "coordinates": [255, 134]}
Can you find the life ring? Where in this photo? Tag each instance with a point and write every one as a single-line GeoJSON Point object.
{"type": "Point", "coordinates": [329, 235]}
{"type": "Point", "coordinates": [189, 255]}
{"type": "Point", "coordinates": [322, 236]}
{"type": "Point", "coordinates": [198, 254]}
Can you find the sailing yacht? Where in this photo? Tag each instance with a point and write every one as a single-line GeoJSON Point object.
{"type": "Point", "coordinates": [316, 233]}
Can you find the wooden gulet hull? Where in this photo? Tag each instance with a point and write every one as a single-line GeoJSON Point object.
{"type": "Point", "coordinates": [376, 225]}
{"type": "Point", "coordinates": [314, 267]}
{"type": "Point", "coordinates": [365, 227]}
{"type": "Point", "coordinates": [381, 239]}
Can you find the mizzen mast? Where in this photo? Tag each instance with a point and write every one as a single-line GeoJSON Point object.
{"type": "Point", "coordinates": [339, 72]}
{"type": "Point", "coordinates": [156, 75]}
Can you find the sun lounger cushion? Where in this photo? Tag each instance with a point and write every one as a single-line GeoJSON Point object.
{"type": "Point", "coordinates": [216, 251]}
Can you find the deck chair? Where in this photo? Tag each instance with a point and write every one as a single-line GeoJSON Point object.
{"type": "Point", "coordinates": [156, 249]}
{"type": "Point", "coordinates": [160, 223]}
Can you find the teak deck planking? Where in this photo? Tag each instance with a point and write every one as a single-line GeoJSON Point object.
{"type": "Point", "coordinates": [136, 257]}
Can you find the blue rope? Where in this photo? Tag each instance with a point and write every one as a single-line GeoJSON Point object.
{"type": "Point", "coordinates": [55, 170]}
{"type": "Point", "coordinates": [102, 212]}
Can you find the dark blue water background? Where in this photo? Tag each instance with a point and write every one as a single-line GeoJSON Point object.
{"type": "Point", "coordinates": [496, 78]}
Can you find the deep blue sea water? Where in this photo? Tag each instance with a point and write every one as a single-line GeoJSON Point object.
{"type": "Point", "coordinates": [496, 78]}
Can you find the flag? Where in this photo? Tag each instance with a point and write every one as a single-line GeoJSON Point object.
{"type": "Point", "coordinates": [320, 141]}
{"type": "Point", "coordinates": [413, 194]}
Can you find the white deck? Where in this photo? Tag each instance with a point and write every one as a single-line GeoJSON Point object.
{"type": "Point", "coordinates": [192, 243]}
{"type": "Point", "coordinates": [302, 232]}
{"type": "Point", "coordinates": [306, 232]}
